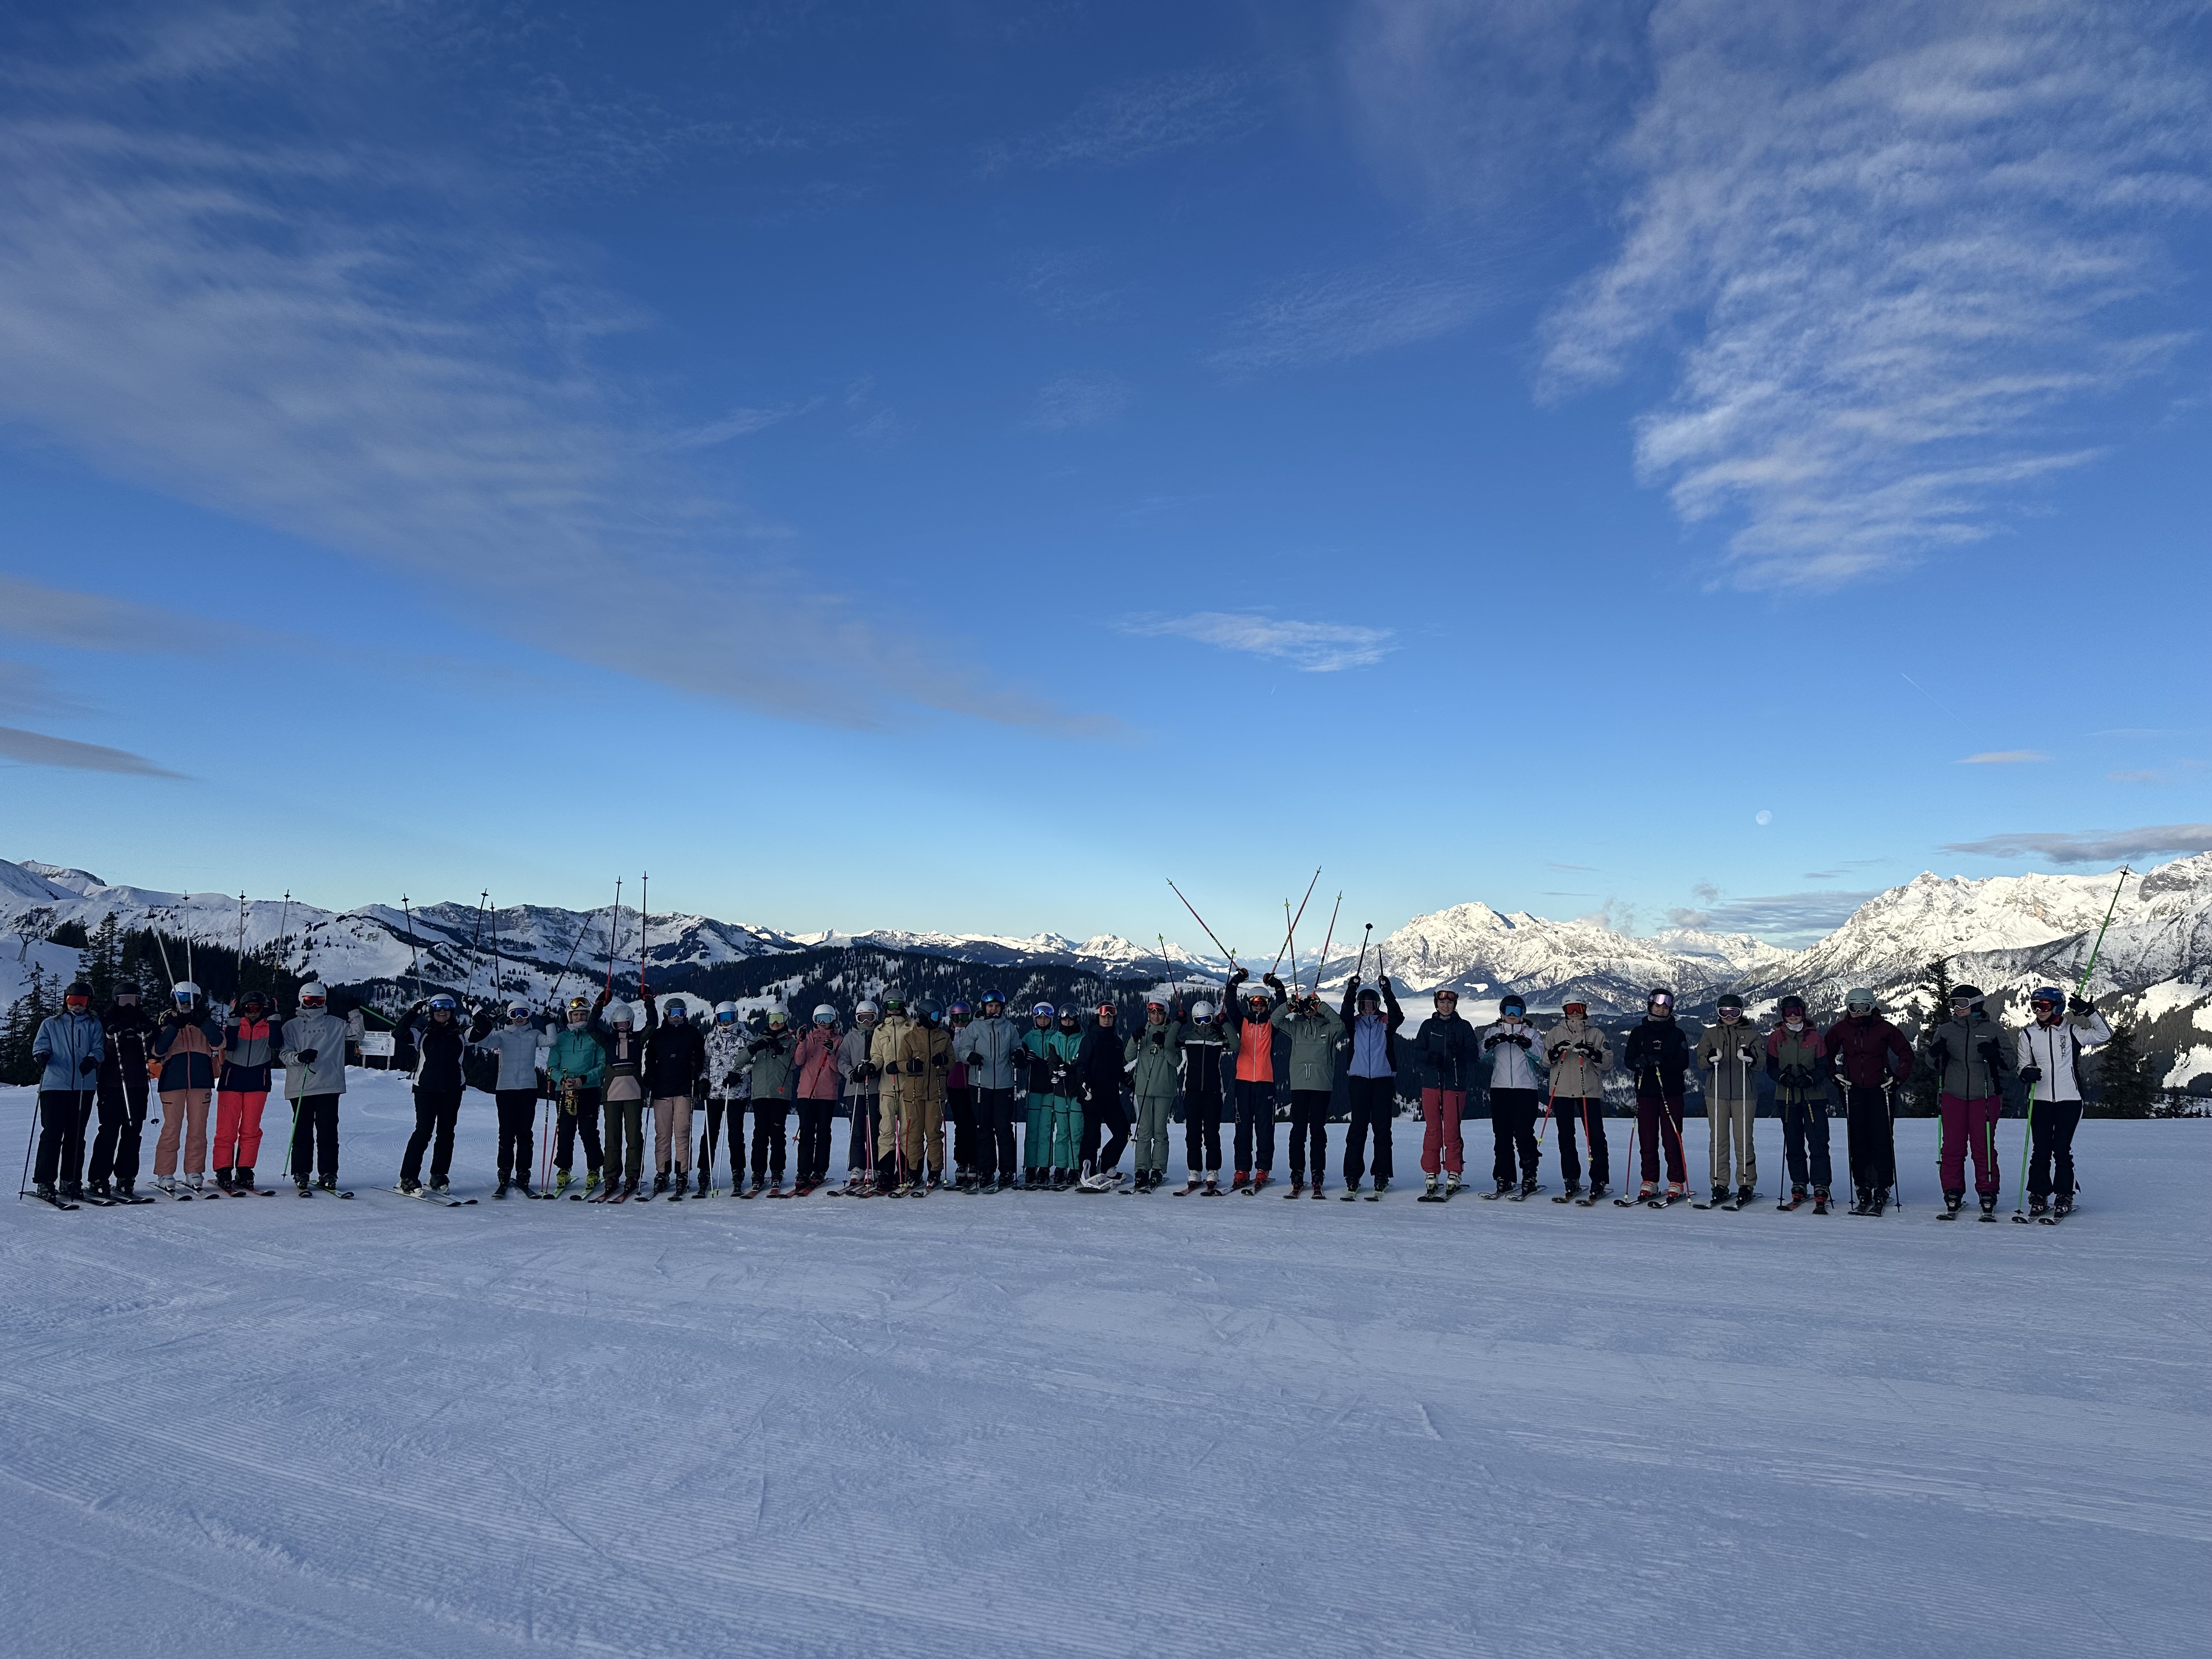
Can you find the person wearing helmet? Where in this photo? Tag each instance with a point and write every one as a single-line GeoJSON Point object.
{"type": "Point", "coordinates": [989, 1048]}
{"type": "Point", "coordinates": [622, 1099]}
{"type": "Point", "coordinates": [960, 1098]}
{"type": "Point", "coordinates": [1445, 1050]}
{"type": "Point", "coordinates": [128, 1036]}
{"type": "Point", "coordinates": [67, 1050]}
{"type": "Point", "coordinates": [1099, 1063]}
{"type": "Point", "coordinates": [1203, 1095]}
{"type": "Point", "coordinates": [917, 1058]}
{"type": "Point", "coordinates": [1247, 1032]}
{"type": "Point", "coordinates": [1729, 1057]}
{"type": "Point", "coordinates": [1315, 1033]}
{"type": "Point", "coordinates": [312, 1049]}
{"type": "Point", "coordinates": [1974, 1062]}
{"type": "Point", "coordinates": [1514, 1048]}
{"type": "Point", "coordinates": [1153, 1056]}
{"type": "Point", "coordinates": [1040, 1063]}
{"type": "Point", "coordinates": [514, 1048]}
{"type": "Point", "coordinates": [576, 1070]}
{"type": "Point", "coordinates": [863, 1098]}
{"type": "Point", "coordinates": [2049, 1060]}
{"type": "Point", "coordinates": [1657, 1054]}
{"type": "Point", "coordinates": [1797, 1061]}
{"type": "Point", "coordinates": [1371, 1016]}
{"type": "Point", "coordinates": [675, 1058]}
{"type": "Point", "coordinates": [727, 1087]}
{"type": "Point", "coordinates": [1579, 1055]}
{"type": "Point", "coordinates": [185, 1051]}
{"type": "Point", "coordinates": [440, 1040]}
{"type": "Point", "coordinates": [1868, 1056]}
{"type": "Point", "coordinates": [820, 1082]}
{"type": "Point", "coordinates": [770, 1054]}
{"type": "Point", "coordinates": [249, 1059]}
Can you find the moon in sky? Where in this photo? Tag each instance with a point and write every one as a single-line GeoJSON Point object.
{"type": "Point", "coordinates": [1763, 817]}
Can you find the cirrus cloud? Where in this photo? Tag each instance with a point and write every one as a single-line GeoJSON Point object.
{"type": "Point", "coordinates": [1310, 648]}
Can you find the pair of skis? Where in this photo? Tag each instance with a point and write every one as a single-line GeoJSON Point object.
{"type": "Point", "coordinates": [447, 1199]}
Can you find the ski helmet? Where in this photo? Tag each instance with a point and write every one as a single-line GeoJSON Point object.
{"type": "Point", "coordinates": [1730, 1000]}
{"type": "Point", "coordinates": [79, 993]}
{"type": "Point", "coordinates": [1370, 997]}
{"type": "Point", "coordinates": [1966, 993]}
{"type": "Point", "coordinates": [127, 987]}
{"type": "Point", "coordinates": [1445, 993]}
{"type": "Point", "coordinates": [1661, 997]}
{"type": "Point", "coordinates": [1069, 1020]}
{"type": "Point", "coordinates": [864, 1010]}
{"type": "Point", "coordinates": [312, 995]}
{"type": "Point", "coordinates": [928, 1011]}
{"type": "Point", "coordinates": [1043, 1011]}
{"type": "Point", "coordinates": [620, 1014]}
{"type": "Point", "coordinates": [676, 1009]}
{"type": "Point", "coordinates": [1257, 996]}
{"type": "Point", "coordinates": [777, 1017]}
{"type": "Point", "coordinates": [1107, 1011]}
{"type": "Point", "coordinates": [958, 1010]}
{"type": "Point", "coordinates": [824, 1014]}
{"type": "Point", "coordinates": [518, 1011]}
{"type": "Point", "coordinates": [1789, 1006]}
{"type": "Point", "coordinates": [994, 999]}
{"type": "Point", "coordinates": [2049, 993]}
{"type": "Point", "coordinates": [1575, 1010]}
{"type": "Point", "coordinates": [1151, 1002]}
{"type": "Point", "coordinates": [726, 1013]}
{"type": "Point", "coordinates": [1859, 999]}
{"type": "Point", "coordinates": [579, 1005]}
{"type": "Point", "coordinates": [894, 1002]}
{"type": "Point", "coordinates": [442, 1001]}
{"type": "Point", "coordinates": [1201, 1012]}
{"type": "Point", "coordinates": [185, 993]}
{"type": "Point", "coordinates": [1511, 1004]}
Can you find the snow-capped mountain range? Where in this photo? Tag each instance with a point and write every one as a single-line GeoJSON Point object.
{"type": "Point", "coordinates": [2005, 933]}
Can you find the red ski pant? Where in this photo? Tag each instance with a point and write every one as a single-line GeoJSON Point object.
{"type": "Point", "coordinates": [1970, 1124]}
{"type": "Point", "coordinates": [1440, 1114]}
{"type": "Point", "coordinates": [237, 1128]}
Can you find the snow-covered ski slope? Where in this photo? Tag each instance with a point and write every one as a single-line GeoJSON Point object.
{"type": "Point", "coordinates": [1022, 1425]}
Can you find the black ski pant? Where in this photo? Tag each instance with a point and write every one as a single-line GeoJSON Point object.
{"type": "Point", "coordinates": [1255, 1126]}
{"type": "Point", "coordinates": [1871, 1137]}
{"type": "Point", "coordinates": [994, 1135]}
{"type": "Point", "coordinates": [960, 1108]}
{"type": "Point", "coordinates": [770, 1119]}
{"type": "Point", "coordinates": [1513, 1130]}
{"type": "Point", "coordinates": [710, 1138]}
{"type": "Point", "coordinates": [1201, 1130]}
{"type": "Point", "coordinates": [1805, 1130]}
{"type": "Point", "coordinates": [436, 1110]}
{"type": "Point", "coordinates": [814, 1140]}
{"type": "Point", "coordinates": [1105, 1113]}
{"type": "Point", "coordinates": [1309, 1132]}
{"type": "Point", "coordinates": [122, 1121]}
{"type": "Point", "coordinates": [1374, 1104]}
{"type": "Point", "coordinates": [567, 1124]}
{"type": "Point", "coordinates": [1659, 1123]}
{"type": "Point", "coordinates": [63, 1114]}
{"type": "Point", "coordinates": [315, 1137]}
{"type": "Point", "coordinates": [2050, 1140]}
{"type": "Point", "coordinates": [1584, 1116]}
{"type": "Point", "coordinates": [518, 1132]}
{"type": "Point", "coordinates": [860, 1147]}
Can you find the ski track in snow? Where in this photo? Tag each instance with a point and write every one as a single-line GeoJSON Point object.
{"type": "Point", "coordinates": [1034, 1425]}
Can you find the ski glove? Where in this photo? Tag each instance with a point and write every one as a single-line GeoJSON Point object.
{"type": "Point", "coordinates": [307, 1056]}
{"type": "Point", "coordinates": [944, 1063]}
{"type": "Point", "coordinates": [2080, 1006]}
{"type": "Point", "coordinates": [2030, 1074]}
{"type": "Point", "coordinates": [914, 1069]}
{"type": "Point", "coordinates": [1939, 1054]}
{"type": "Point", "coordinates": [87, 1065]}
{"type": "Point", "coordinates": [1518, 1040]}
{"type": "Point", "coordinates": [1159, 1039]}
{"type": "Point", "coordinates": [1490, 1042]}
{"type": "Point", "coordinates": [1988, 1051]}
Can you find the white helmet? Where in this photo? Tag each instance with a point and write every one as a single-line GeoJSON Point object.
{"type": "Point", "coordinates": [824, 1014]}
{"type": "Point", "coordinates": [518, 1011]}
{"type": "Point", "coordinates": [620, 1014]}
{"type": "Point", "coordinates": [312, 995]}
{"type": "Point", "coordinates": [184, 993]}
{"type": "Point", "coordinates": [726, 1013]}
{"type": "Point", "coordinates": [865, 1009]}
{"type": "Point", "coordinates": [1202, 1011]}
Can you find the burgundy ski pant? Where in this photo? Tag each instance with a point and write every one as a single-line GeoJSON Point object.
{"type": "Point", "coordinates": [1970, 1124]}
{"type": "Point", "coordinates": [1656, 1128]}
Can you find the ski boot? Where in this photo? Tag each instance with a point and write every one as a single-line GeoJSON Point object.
{"type": "Point", "coordinates": [679, 1186]}
{"type": "Point", "coordinates": [223, 1180]}
{"type": "Point", "coordinates": [1597, 1189]}
{"type": "Point", "coordinates": [409, 1189]}
{"type": "Point", "coordinates": [1531, 1187]}
{"type": "Point", "coordinates": [1297, 1185]}
{"type": "Point", "coordinates": [1797, 1197]}
{"type": "Point", "coordinates": [73, 1192]}
{"type": "Point", "coordinates": [1676, 1192]}
{"type": "Point", "coordinates": [1241, 1182]}
{"type": "Point", "coordinates": [522, 1185]}
{"type": "Point", "coordinates": [99, 1190]}
{"type": "Point", "coordinates": [1451, 1183]}
{"type": "Point", "coordinates": [1820, 1201]}
{"type": "Point", "coordinates": [1500, 1190]}
{"type": "Point", "coordinates": [1951, 1203]}
{"type": "Point", "coordinates": [590, 1180]}
{"type": "Point", "coordinates": [2037, 1207]}
{"type": "Point", "coordinates": [2063, 1206]}
{"type": "Point", "coordinates": [329, 1183]}
{"type": "Point", "coordinates": [1989, 1206]}
{"type": "Point", "coordinates": [1720, 1197]}
{"type": "Point", "coordinates": [439, 1185]}
{"type": "Point", "coordinates": [1877, 1201]}
{"type": "Point", "coordinates": [1350, 1191]}
{"type": "Point", "coordinates": [1572, 1191]}
{"type": "Point", "coordinates": [1432, 1191]}
{"type": "Point", "coordinates": [1314, 1189]}
{"type": "Point", "coordinates": [1374, 1193]}
{"type": "Point", "coordinates": [243, 1178]}
{"type": "Point", "coordinates": [500, 1191]}
{"type": "Point", "coordinates": [46, 1190]}
{"type": "Point", "coordinates": [1259, 1180]}
{"type": "Point", "coordinates": [660, 1184]}
{"type": "Point", "coordinates": [1212, 1186]}
{"type": "Point", "coordinates": [300, 1181]}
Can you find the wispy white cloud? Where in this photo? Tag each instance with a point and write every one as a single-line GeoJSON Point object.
{"type": "Point", "coordinates": [2004, 758]}
{"type": "Point", "coordinates": [1311, 647]}
{"type": "Point", "coordinates": [37, 748]}
{"type": "Point", "coordinates": [1899, 251]}
{"type": "Point", "coordinates": [1138, 121]}
{"type": "Point", "coordinates": [2095, 847]}
{"type": "Point", "coordinates": [1080, 400]}
{"type": "Point", "coordinates": [1337, 317]}
{"type": "Point", "coordinates": [1779, 918]}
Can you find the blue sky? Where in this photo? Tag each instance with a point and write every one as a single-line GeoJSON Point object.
{"type": "Point", "coordinates": [956, 464]}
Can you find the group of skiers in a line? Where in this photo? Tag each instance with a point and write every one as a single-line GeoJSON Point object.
{"type": "Point", "coordinates": [1079, 1088]}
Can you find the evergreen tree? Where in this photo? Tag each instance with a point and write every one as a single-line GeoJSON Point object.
{"type": "Point", "coordinates": [2126, 1080]}
{"type": "Point", "coordinates": [1923, 1091]}
{"type": "Point", "coordinates": [101, 962]}
{"type": "Point", "coordinates": [20, 1028]}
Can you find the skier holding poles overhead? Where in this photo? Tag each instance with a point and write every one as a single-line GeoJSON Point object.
{"type": "Point", "coordinates": [1373, 1016]}
{"type": "Point", "coordinates": [1248, 1035]}
{"type": "Point", "coordinates": [1658, 1054]}
{"type": "Point", "coordinates": [1868, 1056]}
{"type": "Point", "coordinates": [1728, 1056]}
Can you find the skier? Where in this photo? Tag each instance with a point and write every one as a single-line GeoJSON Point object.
{"type": "Point", "coordinates": [819, 1083]}
{"type": "Point", "coordinates": [924, 1060]}
{"type": "Point", "coordinates": [675, 1056]}
{"type": "Point", "coordinates": [2050, 1063]}
{"type": "Point", "coordinates": [1516, 1086]}
{"type": "Point", "coordinates": [1727, 1056]}
{"type": "Point", "coordinates": [769, 1080]}
{"type": "Point", "coordinates": [514, 1047]}
{"type": "Point", "coordinates": [129, 1037]}
{"type": "Point", "coordinates": [886, 1044]}
{"type": "Point", "coordinates": [960, 1098]}
{"type": "Point", "coordinates": [68, 1049]}
{"type": "Point", "coordinates": [312, 1050]}
{"type": "Point", "coordinates": [1797, 1061]}
{"type": "Point", "coordinates": [185, 1050]}
{"type": "Point", "coordinates": [1249, 1033]}
{"type": "Point", "coordinates": [1866, 1057]}
{"type": "Point", "coordinates": [1974, 1062]}
{"type": "Point", "coordinates": [727, 1090]}
{"type": "Point", "coordinates": [1154, 1057]}
{"type": "Point", "coordinates": [863, 1098]}
{"type": "Point", "coordinates": [1067, 1124]}
{"type": "Point", "coordinates": [1100, 1063]}
{"type": "Point", "coordinates": [576, 1069]}
{"type": "Point", "coordinates": [1445, 1049]}
{"type": "Point", "coordinates": [1042, 1066]}
{"type": "Point", "coordinates": [1202, 1067]}
{"type": "Point", "coordinates": [990, 1048]}
{"type": "Point", "coordinates": [439, 1040]}
{"type": "Point", "coordinates": [1579, 1054]}
{"type": "Point", "coordinates": [1657, 1054]}
{"type": "Point", "coordinates": [621, 1098]}
{"type": "Point", "coordinates": [1371, 1016]}
{"type": "Point", "coordinates": [249, 1055]}
{"type": "Point", "coordinates": [1314, 1032]}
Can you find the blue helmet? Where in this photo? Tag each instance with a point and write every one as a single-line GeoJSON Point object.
{"type": "Point", "coordinates": [990, 997]}
{"type": "Point", "coordinates": [2049, 993]}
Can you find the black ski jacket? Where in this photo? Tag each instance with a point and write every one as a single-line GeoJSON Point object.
{"type": "Point", "coordinates": [1098, 1062]}
{"type": "Point", "coordinates": [675, 1061]}
{"type": "Point", "coordinates": [1660, 1046]}
{"type": "Point", "coordinates": [1444, 1050]}
{"type": "Point", "coordinates": [123, 1064]}
{"type": "Point", "coordinates": [438, 1044]}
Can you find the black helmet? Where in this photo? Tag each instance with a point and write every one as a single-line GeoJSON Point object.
{"type": "Point", "coordinates": [1965, 993]}
{"type": "Point", "coordinates": [1789, 1006]}
{"type": "Point", "coordinates": [127, 987]}
{"type": "Point", "coordinates": [1729, 999]}
{"type": "Point", "coordinates": [928, 1011]}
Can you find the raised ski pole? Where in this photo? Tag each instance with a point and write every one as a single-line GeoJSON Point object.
{"type": "Point", "coordinates": [1362, 968]}
{"type": "Point", "coordinates": [414, 961]}
{"type": "Point", "coordinates": [614, 929]}
{"type": "Point", "coordinates": [1294, 922]}
{"type": "Point", "coordinates": [284, 931]}
{"type": "Point", "coordinates": [1329, 938]}
{"type": "Point", "coordinates": [1175, 990]}
{"type": "Point", "coordinates": [1228, 955]}
{"type": "Point", "coordinates": [552, 996]}
{"type": "Point", "coordinates": [239, 951]}
{"type": "Point", "coordinates": [644, 925]}
{"type": "Point", "coordinates": [496, 995]}
{"type": "Point", "coordinates": [1290, 945]}
{"type": "Point", "coordinates": [2027, 1130]}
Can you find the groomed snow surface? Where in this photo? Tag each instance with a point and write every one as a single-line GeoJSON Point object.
{"type": "Point", "coordinates": [1024, 1425]}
